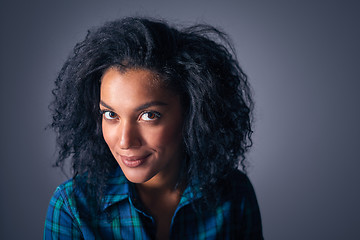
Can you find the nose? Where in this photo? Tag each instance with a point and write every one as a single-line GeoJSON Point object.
{"type": "Point", "coordinates": [128, 135]}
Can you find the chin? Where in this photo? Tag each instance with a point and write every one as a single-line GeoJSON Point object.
{"type": "Point", "coordinates": [135, 176]}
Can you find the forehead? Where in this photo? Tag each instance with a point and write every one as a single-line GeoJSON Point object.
{"type": "Point", "coordinates": [133, 86]}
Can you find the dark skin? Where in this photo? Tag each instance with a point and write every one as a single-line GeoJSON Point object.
{"type": "Point", "coordinates": [142, 125]}
{"type": "Point", "coordinates": [161, 204]}
{"type": "Point", "coordinates": [161, 200]}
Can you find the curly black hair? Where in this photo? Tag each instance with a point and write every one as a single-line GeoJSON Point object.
{"type": "Point", "coordinates": [197, 62]}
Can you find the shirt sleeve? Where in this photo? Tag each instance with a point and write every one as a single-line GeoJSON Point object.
{"type": "Point", "coordinates": [60, 223]}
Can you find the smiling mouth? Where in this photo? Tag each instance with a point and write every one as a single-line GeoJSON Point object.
{"type": "Point", "coordinates": [134, 161]}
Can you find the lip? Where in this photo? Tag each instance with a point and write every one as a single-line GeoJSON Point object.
{"type": "Point", "coordinates": [134, 161]}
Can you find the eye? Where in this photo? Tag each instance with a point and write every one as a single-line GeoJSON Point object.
{"type": "Point", "coordinates": [109, 115]}
{"type": "Point", "coordinates": [150, 116]}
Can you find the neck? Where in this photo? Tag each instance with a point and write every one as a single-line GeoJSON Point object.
{"type": "Point", "coordinates": [159, 185]}
{"type": "Point", "coordinates": [160, 197]}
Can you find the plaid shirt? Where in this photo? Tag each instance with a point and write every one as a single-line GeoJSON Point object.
{"type": "Point", "coordinates": [124, 217]}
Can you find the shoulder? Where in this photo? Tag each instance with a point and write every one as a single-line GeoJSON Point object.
{"type": "Point", "coordinates": [63, 199]}
{"type": "Point", "coordinates": [73, 193]}
{"type": "Point", "coordinates": [239, 184]}
{"type": "Point", "coordinates": [61, 219]}
{"type": "Point", "coordinates": [68, 199]}
{"type": "Point", "coordinates": [70, 210]}
{"type": "Point", "coordinates": [244, 206]}
{"type": "Point", "coordinates": [64, 190]}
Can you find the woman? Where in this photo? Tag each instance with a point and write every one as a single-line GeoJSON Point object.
{"type": "Point", "coordinates": [156, 122]}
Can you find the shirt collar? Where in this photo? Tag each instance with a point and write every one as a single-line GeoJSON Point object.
{"type": "Point", "coordinates": [191, 193]}
{"type": "Point", "coordinates": [119, 189]}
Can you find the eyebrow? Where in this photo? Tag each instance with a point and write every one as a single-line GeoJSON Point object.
{"type": "Point", "coordinates": [150, 104]}
{"type": "Point", "coordinates": [141, 107]}
{"type": "Point", "coordinates": [105, 105]}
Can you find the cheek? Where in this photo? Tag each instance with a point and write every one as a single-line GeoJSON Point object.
{"type": "Point", "coordinates": [165, 136]}
{"type": "Point", "coordinates": [170, 134]}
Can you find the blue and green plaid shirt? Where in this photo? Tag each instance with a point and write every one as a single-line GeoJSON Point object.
{"type": "Point", "coordinates": [124, 217]}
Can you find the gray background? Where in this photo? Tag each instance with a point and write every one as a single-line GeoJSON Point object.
{"type": "Point", "coordinates": [302, 59]}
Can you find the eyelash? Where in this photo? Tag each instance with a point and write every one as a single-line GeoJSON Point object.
{"type": "Point", "coordinates": [157, 115]}
{"type": "Point", "coordinates": [103, 112]}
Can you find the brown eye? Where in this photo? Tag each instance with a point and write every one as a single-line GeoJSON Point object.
{"type": "Point", "coordinates": [149, 116]}
{"type": "Point", "coordinates": [110, 115]}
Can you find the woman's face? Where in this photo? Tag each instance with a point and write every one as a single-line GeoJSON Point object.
{"type": "Point", "coordinates": [141, 124]}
